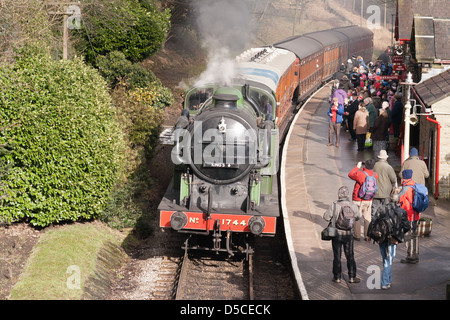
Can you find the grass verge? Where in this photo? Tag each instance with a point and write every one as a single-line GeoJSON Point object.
{"type": "Point", "coordinates": [62, 262]}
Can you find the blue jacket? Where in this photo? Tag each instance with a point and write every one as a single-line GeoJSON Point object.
{"type": "Point", "coordinates": [339, 113]}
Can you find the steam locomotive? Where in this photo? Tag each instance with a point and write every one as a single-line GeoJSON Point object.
{"type": "Point", "coordinates": [224, 191]}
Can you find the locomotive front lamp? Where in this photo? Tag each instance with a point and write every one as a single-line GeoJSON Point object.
{"type": "Point", "coordinates": [256, 225]}
{"type": "Point", "coordinates": [178, 220]}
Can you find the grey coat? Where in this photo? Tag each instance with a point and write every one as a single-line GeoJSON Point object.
{"type": "Point", "coordinates": [333, 210]}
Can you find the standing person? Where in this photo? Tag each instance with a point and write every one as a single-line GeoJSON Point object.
{"type": "Point", "coordinates": [397, 115]}
{"type": "Point", "coordinates": [266, 107]}
{"type": "Point", "coordinates": [340, 73]}
{"type": "Point", "coordinates": [376, 100]}
{"type": "Point", "coordinates": [380, 131]}
{"type": "Point", "coordinates": [388, 248]}
{"type": "Point", "coordinates": [361, 125]}
{"type": "Point", "coordinates": [335, 114]}
{"type": "Point", "coordinates": [419, 167]}
{"type": "Point", "coordinates": [385, 182]}
{"type": "Point", "coordinates": [345, 84]}
{"type": "Point", "coordinates": [340, 94]}
{"type": "Point", "coordinates": [351, 110]}
{"type": "Point", "coordinates": [359, 174]}
{"type": "Point", "coordinates": [406, 200]}
{"type": "Point", "coordinates": [354, 77]}
{"type": "Point", "coordinates": [183, 119]}
{"type": "Point", "coordinates": [372, 112]}
{"type": "Point", "coordinates": [344, 238]}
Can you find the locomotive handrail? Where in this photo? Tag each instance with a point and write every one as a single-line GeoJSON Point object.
{"type": "Point", "coordinates": [245, 93]}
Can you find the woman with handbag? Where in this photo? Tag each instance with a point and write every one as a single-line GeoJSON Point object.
{"type": "Point", "coordinates": [341, 214]}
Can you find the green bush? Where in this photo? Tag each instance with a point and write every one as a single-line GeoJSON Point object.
{"type": "Point", "coordinates": [115, 68]}
{"type": "Point", "coordinates": [130, 204]}
{"type": "Point", "coordinates": [137, 28]}
{"type": "Point", "coordinates": [142, 122]}
{"type": "Point", "coordinates": [65, 142]}
{"type": "Point", "coordinates": [155, 96]}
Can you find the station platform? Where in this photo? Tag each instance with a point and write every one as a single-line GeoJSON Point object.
{"type": "Point", "coordinates": [311, 174]}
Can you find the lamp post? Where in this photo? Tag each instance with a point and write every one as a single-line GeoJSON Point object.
{"type": "Point", "coordinates": [408, 85]}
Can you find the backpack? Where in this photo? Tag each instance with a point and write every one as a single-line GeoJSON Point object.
{"type": "Point", "coordinates": [380, 229]}
{"type": "Point", "coordinates": [345, 219]}
{"type": "Point", "coordinates": [368, 188]}
{"type": "Point", "coordinates": [420, 202]}
{"type": "Point", "coordinates": [420, 197]}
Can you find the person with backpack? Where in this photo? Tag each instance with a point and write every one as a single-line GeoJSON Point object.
{"type": "Point", "coordinates": [397, 225]}
{"type": "Point", "coordinates": [363, 192]}
{"type": "Point", "coordinates": [406, 202]}
{"type": "Point", "coordinates": [418, 166]}
{"type": "Point", "coordinates": [343, 213]}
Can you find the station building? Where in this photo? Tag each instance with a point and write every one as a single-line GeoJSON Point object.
{"type": "Point", "coordinates": [423, 42]}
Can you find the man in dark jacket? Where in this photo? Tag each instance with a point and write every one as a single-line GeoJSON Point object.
{"type": "Point", "coordinates": [397, 115]}
{"type": "Point", "coordinates": [352, 107]}
{"type": "Point", "coordinates": [400, 225]}
{"type": "Point", "coordinates": [344, 238]}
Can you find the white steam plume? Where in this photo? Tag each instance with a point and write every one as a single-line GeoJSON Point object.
{"type": "Point", "coordinates": [225, 28]}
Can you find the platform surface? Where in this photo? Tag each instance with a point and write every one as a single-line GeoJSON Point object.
{"type": "Point", "coordinates": [311, 174]}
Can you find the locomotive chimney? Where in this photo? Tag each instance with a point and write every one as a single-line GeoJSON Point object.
{"type": "Point", "coordinates": [225, 101]}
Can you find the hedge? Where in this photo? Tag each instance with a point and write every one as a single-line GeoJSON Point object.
{"type": "Point", "coordinates": [137, 28]}
{"type": "Point", "coordinates": [117, 70]}
{"type": "Point", "coordinates": [64, 142]}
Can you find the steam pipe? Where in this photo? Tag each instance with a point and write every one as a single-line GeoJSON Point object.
{"type": "Point", "coordinates": [246, 94]}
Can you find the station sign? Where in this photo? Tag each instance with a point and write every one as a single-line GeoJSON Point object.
{"type": "Point", "coordinates": [392, 77]}
{"type": "Point", "coordinates": [399, 67]}
{"type": "Point", "coordinates": [397, 59]}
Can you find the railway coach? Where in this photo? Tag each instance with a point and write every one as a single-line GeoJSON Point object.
{"type": "Point", "coordinates": [225, 188]}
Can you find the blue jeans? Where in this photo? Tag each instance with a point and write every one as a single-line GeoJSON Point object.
{"type": "Point", "coordinates": [388, 251]}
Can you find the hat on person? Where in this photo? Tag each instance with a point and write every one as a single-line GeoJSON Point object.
{"type": "Point", "coordinates": [407, 174]}
{"type": "Point", "coordinates": [383, 154]}
{"type": "Point", "coordinates": [343, 192]}
{"type": "Point", "coordinates": [385, 105]}
{"type": "Point", "coordinates": [414, 152]}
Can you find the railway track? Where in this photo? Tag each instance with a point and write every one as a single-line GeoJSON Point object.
{"type": "Point", "coordinates": [207, 276]}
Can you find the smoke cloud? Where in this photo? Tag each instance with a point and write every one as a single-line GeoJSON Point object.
{"type": "Point", "coordinates": [225, 28]}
